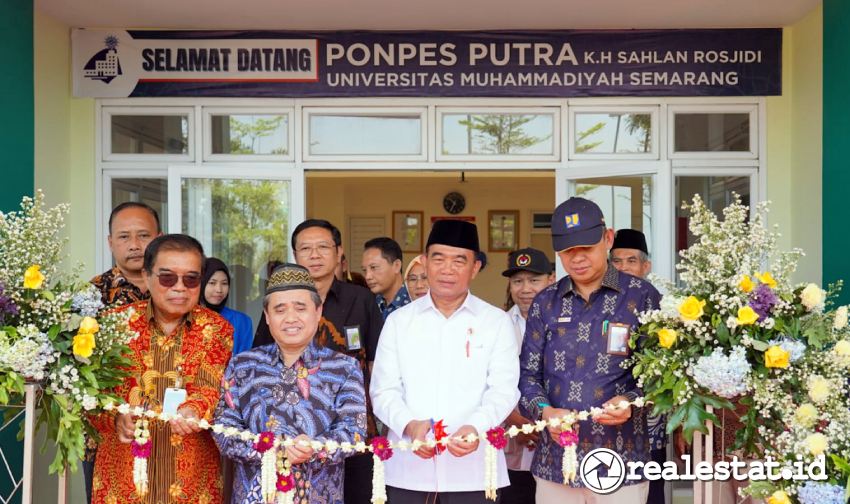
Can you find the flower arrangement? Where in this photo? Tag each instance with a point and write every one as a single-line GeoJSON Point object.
{"type": "Point", "coordinates": [54, 330]}
{"type": "Point", "coordinates": [738, 330]}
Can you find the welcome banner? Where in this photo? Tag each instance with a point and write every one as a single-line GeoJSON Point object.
{"type": "Point", "coordinates": [562, 63]}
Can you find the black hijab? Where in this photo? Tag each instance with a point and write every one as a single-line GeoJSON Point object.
{"type": "Point", "coordinates": [210, 267]}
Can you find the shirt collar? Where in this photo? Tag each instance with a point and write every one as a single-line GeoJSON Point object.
{"type": "Point", "coordinates": [309, 357]}
{"type": "Point", "coordinates": [611, 280]}
{"type": "Point", "coordinates": [398, 300]}
{"type": "Point", "coordinates": [515, 313]}
{"type": "Point", "coordinates": [471, 303]}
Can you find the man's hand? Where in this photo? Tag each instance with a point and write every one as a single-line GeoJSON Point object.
{"type": "Point", "coordinates": [548, 413]}
{"type": "Point", "coordinates": [460, 448]}
{"type": "Point", "coordinates": [417, 430]}
{"type": "Point", "coordinates": [299, 453]}
{"type": "Point", "coordinates": [125, 427]}
{"type": "Point", "coordinates": [617, 416]}
{"type": "Point", "coordinates": [180, 426]}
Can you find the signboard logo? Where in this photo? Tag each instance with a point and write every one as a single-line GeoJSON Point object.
{"type": "Point", "coordinates": [104, 66]}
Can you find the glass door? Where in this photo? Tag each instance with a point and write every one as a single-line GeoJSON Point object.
{"type": "Point", "coordinates": [241, 214]}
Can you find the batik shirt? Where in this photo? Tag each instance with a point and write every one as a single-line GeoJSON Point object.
{"type": "Point", "coordinates": [116, 290]}
{"type": "Point", "coordinates": [565, 363]}
{"type": "Point", "coordinates": [320, 395]}
{"type": "Point", "coordinates": [182, 469]}
{"type": "Point", "coordinates": [401, 298]}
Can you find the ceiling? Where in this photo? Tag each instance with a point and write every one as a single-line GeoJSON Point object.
{"type": "Point", "coordinates": [426, 15]}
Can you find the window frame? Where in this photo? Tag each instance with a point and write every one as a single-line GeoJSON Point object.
{"type": "Point", "coordinates": [209, 111]}
{"type": "Point", "coordinates": [653, 110]}
{"type": "Point", "coordinates": [107, 112]}
{"type": "Point", "coordinates": [755, 141]}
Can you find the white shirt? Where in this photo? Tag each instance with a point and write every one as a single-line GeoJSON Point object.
{"type": "Point", "coordinates": [518, 457]}
{"type": "Point", "coordinates": [462, 369]}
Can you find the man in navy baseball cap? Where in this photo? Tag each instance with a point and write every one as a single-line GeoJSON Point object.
{"type": "Point", "coordinates": [577, 222]}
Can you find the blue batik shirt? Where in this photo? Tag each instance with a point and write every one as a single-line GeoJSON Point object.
{"type": "Point", "coordinates": [320, 395]}
{"type": "Point", "coordinates": [402, 297]}
{"type": "Point", "coordinates": [565, 363]}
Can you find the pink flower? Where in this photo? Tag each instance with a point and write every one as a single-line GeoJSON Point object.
{"type": "Point", "coordinates": [381, 448]}
{"type": "Point", "coordinates": [496, 437]}
{"type": "Point", "coordinates": [141, 450]}
{"type": "Point", "coordinates": [265, 442]}
{"type": "Point", "coordinates": [568, 438]}
{"type": "Point", "coordinates": [285, 483]}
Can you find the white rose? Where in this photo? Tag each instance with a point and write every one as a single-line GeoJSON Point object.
{"type": "Point", "coordinates": [840, 321]}
{"type": "Point", "coordinates": [812, 297]}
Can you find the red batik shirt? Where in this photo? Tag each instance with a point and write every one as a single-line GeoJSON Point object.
{"type": "Point", "coordinates": [181, 469]}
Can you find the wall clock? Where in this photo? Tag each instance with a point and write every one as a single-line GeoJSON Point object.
{"type": "Point", "coordinates": [454, 203]}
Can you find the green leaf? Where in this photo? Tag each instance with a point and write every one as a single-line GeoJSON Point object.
{"type": "Point", "coordinates": [760, 346]}
{"type": "Point", "coordinates": [46, 294]}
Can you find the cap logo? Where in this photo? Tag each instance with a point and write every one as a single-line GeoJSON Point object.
{"type": "Point", "coordinates": [523, 260]}
{"type": "Point", "coordinates": [572, 220]}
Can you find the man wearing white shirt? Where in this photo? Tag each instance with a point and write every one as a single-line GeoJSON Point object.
{"type": "Point", "coordinates": [446, 356]}
{"type": "Point", "coordinates": [529, 271]}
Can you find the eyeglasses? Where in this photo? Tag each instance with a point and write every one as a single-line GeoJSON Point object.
{"type": "Point", "coordinates": [324, 249]}
{"type": "Point", "coordinates": [413, 278]}
{"type": "Point", "coordinates": [168, 279]}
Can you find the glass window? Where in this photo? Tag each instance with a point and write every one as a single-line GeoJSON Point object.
{"type": "Point", "coordinates": [626, 202]}
{"type": "Point", "coordinates": [151, 191]}
{"type": "Point", "coordinates": [341, 134]}
{"type": "Point", "coordinates": [498, 134]}
{"type": "Point", "coordinates": [250, 134]}
{"type": "Point", "coordinates": [150, 134]}
{"type": "Point", "coordinates": [716, 192]}
{"type": "Point", "coordinates": [243, 222]}
{"type": "Point", "coordinates": [612, 133]}
{"type": "Point", "coordinates": [715, 132]}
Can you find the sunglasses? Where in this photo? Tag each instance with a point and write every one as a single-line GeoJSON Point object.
{"type": "Point", "coordinates": [168, 279]}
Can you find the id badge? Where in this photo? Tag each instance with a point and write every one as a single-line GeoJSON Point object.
{"type": "Point", "coordinates": [174, 397]}
{"type": "Point", "coordinates": [617, 336]}
{"type": "Point", "coordinates": [352, 337]}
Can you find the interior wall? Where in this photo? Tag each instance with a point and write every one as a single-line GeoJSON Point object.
{"type": "Point", "coordinates": [342, 197]}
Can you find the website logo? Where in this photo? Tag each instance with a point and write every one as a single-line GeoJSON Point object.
{"type": "Point", "coordinates": [602, 471]}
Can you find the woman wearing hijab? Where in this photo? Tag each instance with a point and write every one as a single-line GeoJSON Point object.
{"type": "Point", "coordinates": [214, 291]}
{"type": "Point", "coordinates": [416, 279]}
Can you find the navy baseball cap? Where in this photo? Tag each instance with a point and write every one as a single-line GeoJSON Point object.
{"type": "Point", "coordinates": [577, 222]}
{"type": "Point", "coordinates": [528, 259]}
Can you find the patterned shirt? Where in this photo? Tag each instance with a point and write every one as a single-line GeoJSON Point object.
{"type": "Point", "coordinates": [116, 290]}
{"type": "Point", "coordinates": [320, 395]}
{"type": "Point", "coordinates": [401, 298]}
{"type": "Point", "coordinates": [182, 469]}
{"type": "Point", "coordinates": [565, 362]}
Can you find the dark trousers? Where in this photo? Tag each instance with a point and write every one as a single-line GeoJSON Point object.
{"type": "Point", "coordinates": [88, 475]}
{"type": "Point", "coordinates": [656, 488]}
{"type": "Point", "coordinates": [521, 489]}
{"type": "Point", "coordinates": [402, 496]}
{"type": "Point", "coordinates": [358, 479]}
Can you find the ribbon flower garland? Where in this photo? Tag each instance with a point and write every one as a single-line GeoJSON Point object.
{"type": "Point", "coordinates": [278, 481]}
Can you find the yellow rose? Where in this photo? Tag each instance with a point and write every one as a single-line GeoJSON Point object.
{"type": "Point", "coordinates": [812, 296]}
{"type": "Point", "coordinates": [84, 345]}
{"type": "Point", "coordinates": [747, 316]}
{"type": "Point", "coordinates": [816, 443]}
{"type": "Point", "coordinates": [33, 279]}
{"type": "Point", "coordinates": [666, 337]}
{"type": "Point", "coordinates": [746, 284]}
{"type": "Point", "coordinates": [89, 326]}
{"type": "Point", "coordinates": [806, 415]}
{"type": "Point", "coordinates": [776, 357]}
{"type": "Point", "coordinates": [779, 497]}
{"type": "Point", "coordinates": [767, 279]}
{"type": "Point", "coordinates": [691, 308]}
{"type": "Point", "coordinates": [819, 389]}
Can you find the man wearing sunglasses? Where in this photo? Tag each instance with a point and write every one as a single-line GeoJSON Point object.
{"type": "Point", "coordinates": [178, 360]}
